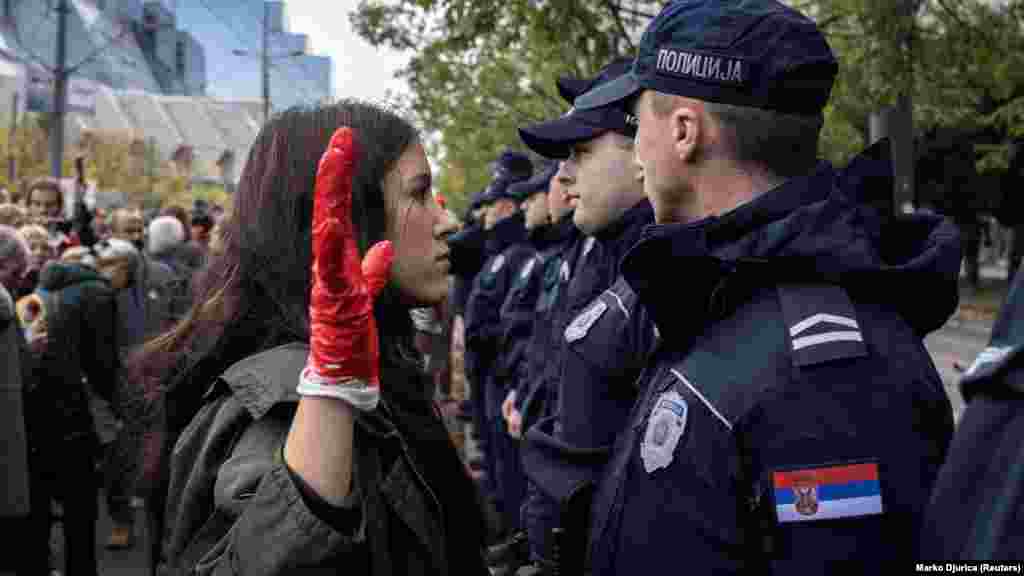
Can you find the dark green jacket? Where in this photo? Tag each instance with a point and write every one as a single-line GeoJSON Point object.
{"type": "Point", "coordinates": [233, 506]}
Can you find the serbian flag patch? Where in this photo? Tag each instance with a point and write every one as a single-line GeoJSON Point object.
{"type": "Point", "coordinates": [827, 492]}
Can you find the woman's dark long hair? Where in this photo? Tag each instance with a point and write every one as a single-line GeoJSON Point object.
{"type": "Point", "coordinates": [253, 293]}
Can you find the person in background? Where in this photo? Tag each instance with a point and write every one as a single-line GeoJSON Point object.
{"type": "Point", "coordinates": [26, 557]}
{"type": "Point", "coordinates": [81, 354]}
{"type": "Point", "coordinates": [187, 253]}
{"type": "Point", "coordinates": [12, 215]}
{"type": "Point", "coordinates": [41, 253]}
{"type": "Point", "coordinates": [202, 224]}
{"type": "Point", "coordinates": [165, 238]}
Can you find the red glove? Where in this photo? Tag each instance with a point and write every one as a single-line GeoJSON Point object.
{"type": "Point", "coordinates": [344, 358]}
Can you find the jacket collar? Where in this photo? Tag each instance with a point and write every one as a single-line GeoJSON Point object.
{"type": "Point", "coordinates": [266, 379]}
{"type": "Point", "coordinates": [617, 238]}
{"type": "Point", "coordinates": [506, 232]}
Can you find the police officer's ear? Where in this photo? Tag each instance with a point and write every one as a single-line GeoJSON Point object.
{"type": "Point", "coordinates": [687, 123]}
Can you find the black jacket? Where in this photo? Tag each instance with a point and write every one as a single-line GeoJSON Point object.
{"type": "Point", "coordinates": [81, 313]}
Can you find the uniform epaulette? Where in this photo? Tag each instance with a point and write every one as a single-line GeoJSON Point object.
{"type": "Point", "coordinates": [821, 324]}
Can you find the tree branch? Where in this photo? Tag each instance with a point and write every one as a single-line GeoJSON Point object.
{"type": "Point", "coordinates": [615, 9]}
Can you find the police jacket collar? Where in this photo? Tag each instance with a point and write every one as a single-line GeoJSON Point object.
{"type": "Point", "coordinates": [624, 233]}
{"type": "Point", "coordinates": [506, 232]}
{"type": "Point", "coordinates": [815, 228]}
{"type": "Point", "coordinates": [556, 233]}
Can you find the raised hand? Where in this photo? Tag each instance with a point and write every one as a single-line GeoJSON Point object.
{"type": "Point", "coordinates": [344, 360]}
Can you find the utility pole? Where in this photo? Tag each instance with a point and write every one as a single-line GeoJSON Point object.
{"type": "Point", "coordinates": [60, 91]}
{"type": "Point", "coordinates": [11, 169]}
{"type": "Point", "coordinates": [265, 61]}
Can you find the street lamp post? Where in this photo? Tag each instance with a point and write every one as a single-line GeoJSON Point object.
{"type": "Point", "coordinates": [266, 59]}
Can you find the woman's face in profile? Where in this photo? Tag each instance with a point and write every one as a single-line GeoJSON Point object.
{"type": "Point", "coordinates": [418, 227]}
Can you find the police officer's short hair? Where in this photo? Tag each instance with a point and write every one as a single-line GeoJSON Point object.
{"type": "Point", "coordinates": [784, 144]}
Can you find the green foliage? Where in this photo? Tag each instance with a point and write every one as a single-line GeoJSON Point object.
{"type": "Point", "coordinates": [481, 68]}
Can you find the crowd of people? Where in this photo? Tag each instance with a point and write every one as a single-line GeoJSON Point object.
{"type": "Point", "coordinates": [667, 337]}
{"type": "Point", "coordinates": [85, 291]}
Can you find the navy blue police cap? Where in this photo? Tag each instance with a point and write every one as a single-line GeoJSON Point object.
{"type": "Point", "coordinates": [569, 87]}
{"type": "Point", "coordinates": [499, 189]}
{"type": "Point", "coordinates": [554, 139]}
{"type": "Point", "coordinates": [511, 165]}
{"type": "Point", "coordinates": [750, 53]}
{"type": "Point", "coordinates": [540, 181]}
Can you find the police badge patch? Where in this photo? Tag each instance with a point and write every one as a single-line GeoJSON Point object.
{"type": "Point", "coordinates": [581, 325]}
{"type": "Point", "coordinates": [665, 427]}
{"type": "Point", "coordinates": [499, 261]}
{"type": "Point", "coordinates": [525, 273]}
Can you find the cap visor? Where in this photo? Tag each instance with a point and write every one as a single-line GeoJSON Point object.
{"type": "Point", "coordinates": [569, 87]}
{"type": "Point", "coordinates": [553, 139]}
{"type": "Point", "coordinates": [621, 88]}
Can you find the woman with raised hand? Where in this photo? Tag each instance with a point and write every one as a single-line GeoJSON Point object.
{"type": "Point", "coordinates": [304, 436]}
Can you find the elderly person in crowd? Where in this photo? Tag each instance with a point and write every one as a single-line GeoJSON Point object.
{"type": "Point", "coordinates": [12, 215]}
{"type": "Point", "coordinates": [40, 253]}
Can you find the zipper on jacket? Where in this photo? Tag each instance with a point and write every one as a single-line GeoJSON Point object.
{"type": "Point", "coordinates": [412, 464]}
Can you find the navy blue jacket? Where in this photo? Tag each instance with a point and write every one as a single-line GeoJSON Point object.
{"type": "Point", "coordinates": [594, 265]}
{"type": "Point", "coordinates": [603, 350]}
{"type": "Point", "coordinates": [977, 511]}
{"type": "Point", "coordinates": [553, 283]}
{"type": "Point", "coordinates": [508, 250]}
{"type": "Point", "coordinates": [518, 312]}
{"type": "Point", "coordinates": [791, 420]}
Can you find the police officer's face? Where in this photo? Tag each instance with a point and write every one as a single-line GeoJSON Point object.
{"type": "Point", "coordinates": [536, 210]}
{"type": "Point", "coordinates": [604, 180]}
{"type": "Point", "coordinates": [498, 211]}
{"type": "Point", "coordinates": [417, 227]}
{"type": "Point", "coordinates": [666, 152]}
{"type": "Point", "coordinates": [558, 197]}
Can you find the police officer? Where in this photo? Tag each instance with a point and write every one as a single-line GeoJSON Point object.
{"type": "Point", "coordinates": [975, 510]}
{"type": "Point", "coordinates": [466, 254]}
{"type": "Point", "coordinates": [517, 313]}
{"type": "Point", "coordinates": [506, 251]}
{"type": "Point", "coordinates": [790, 420]}
{"type": "Point", "coordinates": [604, 346]}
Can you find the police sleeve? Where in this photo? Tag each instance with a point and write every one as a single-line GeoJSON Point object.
{"type": "Point", "coordinates": [839, 461]}
{"type": "Point", "coordinates": [483, 312]}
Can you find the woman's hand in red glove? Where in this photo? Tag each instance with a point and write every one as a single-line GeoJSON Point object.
{"type": "Point", "coordinates": [344, 358]}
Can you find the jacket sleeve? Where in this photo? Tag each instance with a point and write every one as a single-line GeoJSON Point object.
{"type": "Point", "coordinates": [517, 321]}
{"type": "Point", "coordinates": [278, 527]}
{"type": "Point", "coordinates": [101, 358]}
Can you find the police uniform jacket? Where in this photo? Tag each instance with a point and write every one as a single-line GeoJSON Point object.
{"type": "Point", "coordinates": [604, 348]}
{"type": "Point", "coordinates": [976, 507]}
{"type": "Point", "coordinates": [791, 420]}
{"type": "Point", "coordinates": [508, 249]}
{"type": "Point", "coordinates": [520, 313]}
{"type": "Point", "coordinates": [594, 265]}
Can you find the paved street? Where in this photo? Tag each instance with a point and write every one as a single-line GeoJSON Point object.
{"type": "Point", "coordinates": [956, 343]}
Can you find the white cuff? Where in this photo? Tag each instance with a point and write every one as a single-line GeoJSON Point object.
{"type": "Point", "coordinates": [354, 391]}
